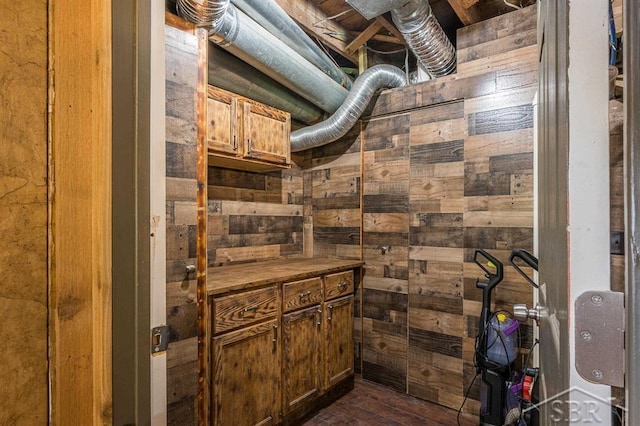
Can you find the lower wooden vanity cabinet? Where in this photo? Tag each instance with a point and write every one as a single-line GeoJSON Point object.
{"type": "Point", "coordinates": [281, 351]}
{"type": "Point", "coordinates": [245, 353]}
{"type": "Point", "coordinates": [246, 376]}
{"type": "Point", "coordinates": [302, 354]}
{"type": "Point", "coordinates": [338, 340]}
{"type": "Point", "coordinates": [302, 344]}
{"type": "Point", "coordinates": [241, 309]}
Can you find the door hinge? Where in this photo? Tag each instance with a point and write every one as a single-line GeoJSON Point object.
{"type": "Point", "coordinates": [159, 339]}
{"type": "Point", "coordinates": [600, 324]}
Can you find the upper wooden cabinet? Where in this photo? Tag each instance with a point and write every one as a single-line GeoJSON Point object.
{"type": "Point", "coordinates": [245, 134]}
{"type": "Point", "coordinates": [221, 122]}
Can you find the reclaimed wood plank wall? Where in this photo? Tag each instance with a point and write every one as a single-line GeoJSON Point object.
{"type": "Point", "coordinates": [385, 245]}
{"type": "Point", "coordinates": [333, 215]}
{"type": "Point", "coordinates": [436, 253]}
{"type": "Point", "coordinates": [181, 139]}
{"type": "Point", "coordinates": [254, 216]}
{"type": "Point", "coordinates": [447, 167]}
{"type": "Point", "coordinates": [498, 148]}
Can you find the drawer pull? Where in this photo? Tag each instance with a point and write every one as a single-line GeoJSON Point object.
{"type": "Point", "coordinates": [343, 285]}
{"type": "Point", "coordinates": [305, 294]}
{"type": "Point", "coordinates": [251, 309]}
{"type": "Point", "coordinates": [330, 312]}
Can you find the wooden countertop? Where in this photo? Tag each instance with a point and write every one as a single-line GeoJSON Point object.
{"type": "Point", "coordinates": [222, 279]}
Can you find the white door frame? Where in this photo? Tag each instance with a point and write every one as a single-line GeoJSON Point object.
{"type": "Point", "coordinates": [139, 223]}
{"type": "Point", "coordinates": [157, 216]}
{"type": "Point", "coordinates": [573, 197]}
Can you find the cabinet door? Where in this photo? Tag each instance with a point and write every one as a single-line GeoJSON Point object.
{"type": "Point", "coordinates": [265, 133]}
{"type": "Point", "coordinates": [301, 349]}
{"type": "Point", "coordinates": [246, 376]}
{"type": "Point", "coordinates": [338, 360]}
{"type": "Point", "coordinates": [221, 122]}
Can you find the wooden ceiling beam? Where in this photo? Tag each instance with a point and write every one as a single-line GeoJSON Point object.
{"type": "Point", "coordinates": [364, 36]}
{"type": "Point", "coordinates": [314, 21]}
{"type": "Point", "coordinates": [461, 8]}
{"type": "Point", "coordinates": [468, 3]}
{"type": "Point", "coordinates": [382, 38]}
{"type": "Point", "coordinates": [391, 28]}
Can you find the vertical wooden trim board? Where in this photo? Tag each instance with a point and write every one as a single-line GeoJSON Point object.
{"type": "Point", "coordinates": [80, 212]}
{"type": "Point", "coordinates": [201, 205]}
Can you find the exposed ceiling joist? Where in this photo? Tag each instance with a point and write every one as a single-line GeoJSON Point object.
{"type": "Point", "coordinates": [391, 28]}
{"type": "Point", "coordinates": [382, 38]}
{"type": "Point", "coordinates": [461, 8]}
{"type": "Point", "coordinates": [315, 21]}
{"type": "Point", "coordinates": [364, 36]}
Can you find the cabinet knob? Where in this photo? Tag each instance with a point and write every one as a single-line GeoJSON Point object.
{"type": "Point", "coordinates": [343, 285]}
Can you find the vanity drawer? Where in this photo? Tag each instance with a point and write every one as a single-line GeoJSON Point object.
{"type": "Point", "coordinates": [240, 309]}
{"type": "Point", "coordinates": [339, 284]}
{"type": "Point", "coordinates": [298, 294]}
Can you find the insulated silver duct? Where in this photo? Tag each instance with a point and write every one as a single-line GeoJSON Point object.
{"type": "Point", "coordinates": [270, 16]}
{"type": "Point", "coordinates": [336, 126]}
{"type": "Point", "coordinates": [230, 73]}
{"type": "Point", "coordinates": [425, 37]}
{"type": "Point", "coordinates": [244, 38]}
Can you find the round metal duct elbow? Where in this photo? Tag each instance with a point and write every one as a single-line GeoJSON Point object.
{"type": "Point", "coordinates": [341, 121]}
{"type": "Point", "coordinates": [203, 13]}
{"type": "Point", "coordinates": [425, 37]}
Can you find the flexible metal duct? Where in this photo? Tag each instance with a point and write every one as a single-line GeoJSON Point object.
{"type": "Point", "coordinates": [230, 73]}
{"type": "Point", "coordinates": [336, 126]}
{"type": "Point", "coordinates": [270, 16]}
{"type": "Point", "coordinates": [203, 14]}
{"type": "Point", "coordinates": [425, 37]}
{"type": "Point", "coordinates": [247, 40]}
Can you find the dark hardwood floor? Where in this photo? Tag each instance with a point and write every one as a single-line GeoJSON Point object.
{"type": "Point", "coordinates": [369, 404]}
